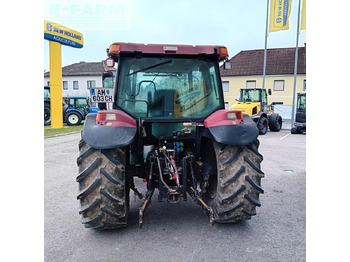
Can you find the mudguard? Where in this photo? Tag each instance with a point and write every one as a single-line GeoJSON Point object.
{"type": "Point", "coordinates": [107, 136]}
{"type": "Point", "coordinates": [229, 133]}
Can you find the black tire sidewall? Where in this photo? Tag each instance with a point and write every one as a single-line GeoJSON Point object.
{"type": "Point", "coordinates": [77, 115]}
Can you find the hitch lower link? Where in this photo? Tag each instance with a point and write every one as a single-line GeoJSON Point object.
{"type": "Point", "coordinates": [191, 190]}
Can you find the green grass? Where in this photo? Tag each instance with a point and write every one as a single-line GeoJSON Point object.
{"type": "Point", "coordinates": [48, 131]}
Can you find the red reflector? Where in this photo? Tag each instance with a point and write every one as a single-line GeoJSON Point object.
{"type": "Point", "coordinates": [144, 180]}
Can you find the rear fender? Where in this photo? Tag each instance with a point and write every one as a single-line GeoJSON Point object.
{"type": "Point", "coordinates": [109, 132]}
{"type": "Point", "coordinates": [240, 131]}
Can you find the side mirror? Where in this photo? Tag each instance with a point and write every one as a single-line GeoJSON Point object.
{"type": "Point", "coordinates": [269, 92]}
{"type": "Point", "coordinates": [227, 65]}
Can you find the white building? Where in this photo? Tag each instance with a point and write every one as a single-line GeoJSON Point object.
{"type": "Point", "coordinates": [78, 78]}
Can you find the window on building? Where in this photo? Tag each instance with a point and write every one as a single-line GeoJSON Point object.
{"type": "Point", "coordinates": [91, 83]}
{"type": "Point", "coordinates": [65, 85]}
{"type": "Point", "coordinates": [278, 85]}
{"type": "Point", "coordinates": [48, 83]}
{"type": "Point", "coordinates": [304, 85]}
{"type": "Point", "coordinates": [225, 86]}
{"type": "Point", "coordinates": [251, 84]}
{"type": "Point", "coordinates": [75, 85]}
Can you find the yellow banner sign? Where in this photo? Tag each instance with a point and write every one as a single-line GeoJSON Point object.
{"type": "Point", "coordinates": [279, 15]}
{"type": "Point", "coordinates": [62, 34]}
{"type": "Point", "coordinates": [303, 16]}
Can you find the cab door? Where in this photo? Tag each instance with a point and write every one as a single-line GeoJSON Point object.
{"type": "Point", "coordinates": [263, 100]}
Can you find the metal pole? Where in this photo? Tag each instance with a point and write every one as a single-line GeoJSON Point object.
{"type": "Point", "coordinates": [296, 66]}
{"type": "Point", "coordinates": [266, 33]}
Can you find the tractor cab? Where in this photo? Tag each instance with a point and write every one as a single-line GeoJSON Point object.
{"type": "Point", "coordinates": [301, 103]}
{"type": "Point", "coordinates": [169, 88]}
{"type": "Point", "coordinates": [78, 108]}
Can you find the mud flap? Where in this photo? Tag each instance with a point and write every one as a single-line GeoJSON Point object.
{"type": "Point", "coordinates": [239, 134]}
{"type": "Point", "coordinates": [106, 137]}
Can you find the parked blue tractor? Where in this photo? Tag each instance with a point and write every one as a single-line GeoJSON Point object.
{"type": "Point", "coordinates": [78, 108]}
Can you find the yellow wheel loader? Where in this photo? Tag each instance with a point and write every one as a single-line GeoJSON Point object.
{"type": "Point", "coordinates": [253, 101]}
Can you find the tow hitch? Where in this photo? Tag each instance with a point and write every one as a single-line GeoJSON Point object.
{"type": "Point", "coordinates": [177, 192]}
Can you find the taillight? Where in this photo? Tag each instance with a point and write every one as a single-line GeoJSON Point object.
{"type": "Point", "coordinates": [224, 117]}
{"type": "Point", "coordinates": [114, 117]}
{"type": "Point", "coordinates": [104, 117]}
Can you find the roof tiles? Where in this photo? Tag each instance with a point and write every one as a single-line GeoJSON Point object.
{"type": "Point", "coordinates": [279, 61]}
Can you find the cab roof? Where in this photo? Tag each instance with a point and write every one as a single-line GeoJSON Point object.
{"type": "Point", "coordinates": [116, 49]}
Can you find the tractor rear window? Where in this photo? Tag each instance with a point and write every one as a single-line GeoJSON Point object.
{"type": "Point", "coordinates": [168, 87]}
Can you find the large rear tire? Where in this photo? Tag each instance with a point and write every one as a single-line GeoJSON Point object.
{"type": "Point", "coordinates": [233, 192]}
{"type": "Point", "coordinates": [103, 191]}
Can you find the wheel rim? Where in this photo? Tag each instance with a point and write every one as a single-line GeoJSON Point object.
{"type": "Point", "coordinates": [73, 119]}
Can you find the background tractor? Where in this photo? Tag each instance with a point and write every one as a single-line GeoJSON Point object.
{"type": "Point", "coordinates": [168, 126]}
{"type": "Point", "coordinates": [253, 101]}
{"type": "Point", "coordinates": [78, 108]}
{"type": "Point", "coordinates": [47, 106]}
{"type": "Point", "coordinates": [300, 116]}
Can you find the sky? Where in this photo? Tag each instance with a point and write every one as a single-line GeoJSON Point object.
{"type": "Point", "coordinates": [238, 25]}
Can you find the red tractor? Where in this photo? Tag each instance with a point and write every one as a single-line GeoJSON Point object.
{"type": "Point", "coordinates": [169, 128]}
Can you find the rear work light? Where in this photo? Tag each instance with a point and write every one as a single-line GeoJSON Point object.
{"type": "Point", "coordinates": [111, 117]}
{"type": "Point", "coordinates": [109, 62]}
{"type": "Point", "coordinates": [235, 115]}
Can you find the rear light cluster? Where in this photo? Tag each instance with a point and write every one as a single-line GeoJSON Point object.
{"type": "Point", "coordinates": [224, 117]}
{"type": "Point", "coordinates": [105, 119]}
{"type": "Point", "coordinates": [114, 118]}
{"type": "Point", "coordinates": [236, 117]}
